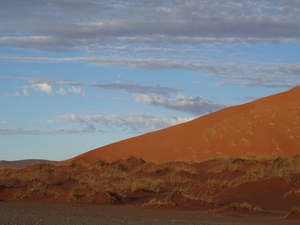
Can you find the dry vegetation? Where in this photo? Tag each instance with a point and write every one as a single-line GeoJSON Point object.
{"type": "Point", "coordinates": [246, 206]}
{"type": "Point", "coordinates": [134, 181]}
{"type": "Point", "coordinates": [295, 212]}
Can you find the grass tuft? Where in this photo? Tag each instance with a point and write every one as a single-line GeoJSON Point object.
{"type": "Point", "coordinates": [295, 210]}
{"type": "Point", "coordinates": [246, 206]}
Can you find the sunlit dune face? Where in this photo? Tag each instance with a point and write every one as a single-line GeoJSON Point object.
{"type": "Point", "coordinates": [266, 126]}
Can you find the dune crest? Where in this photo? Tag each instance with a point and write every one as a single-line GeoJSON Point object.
{"type": "Point", "coordinates": [269, 125]}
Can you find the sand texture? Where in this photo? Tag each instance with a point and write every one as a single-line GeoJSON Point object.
{"type": "Point", "coordinates": [49, 214]}
{"type": "Point", "coordinates": [266, 126]}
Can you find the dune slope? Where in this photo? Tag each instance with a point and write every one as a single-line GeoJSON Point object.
{"type": "Point", "coordinates": [269, 125]}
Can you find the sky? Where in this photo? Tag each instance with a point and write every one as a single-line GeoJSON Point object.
{"type": "Point", "coordinates": [79, 74]}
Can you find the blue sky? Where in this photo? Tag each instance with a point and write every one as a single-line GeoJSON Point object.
{"type": "Point", "coordinates": [76, 75]}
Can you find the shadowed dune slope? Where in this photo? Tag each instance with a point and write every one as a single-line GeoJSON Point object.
{"type": "Point", "coordinates": [269, 125]}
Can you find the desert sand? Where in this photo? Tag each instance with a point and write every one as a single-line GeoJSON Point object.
{"type": "Point", "coordinates": [53, 213]}
{"type": "Point", "coordinates": [256, 189]}
{"type": "Point", "coordinates": [239, 165]}
{"type": "Point", "coordinates": [269, 125]}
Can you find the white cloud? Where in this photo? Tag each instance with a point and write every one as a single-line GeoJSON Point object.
{"type": "Point", "coordinates": [48, 81]}
{"type": "Point", "coordinates": [245, 73]}
{"type": "Point", "coordinates": [140, 122]}
{"type": "Point", "coordinates": [71, 118]}
{"type": "Point", "coordinates": [128, 86]}
{"type": "Point", "coordinates": [134, 122]}
{"type": "Point", "coordinates": [151, 24]}
{"type": "Point", "coordinates": [5, 122]}
{"type": "Point", "coordinates": [32, 131]}
{"type": "Point", "coordinates": [89, 129]}
{"type": "Point", "coordinates": [195, 106]}
{"type": "Point", "coordinates": [36, 121]}
{"type": "Point", "coordinates": [35, 42]}
{"type": "Point", "coordinates": [42, 87]}
{"type": "Point", "coordinates": [146, 122]}
{"type": "Point", "coordinates": [77, 90]}
{"type": "Point", "coordinates": [51, 121]}
{"type": "Point", "coordinates": [25, 92]}
{"type": "Point", "coordinates": [62, 92]}
{"type": "Point", "coordinates": [136, 88]}
{"type": "Point", "coordinates": [108, 121]}
{"type": "Point", "coordinates": [15, 95]}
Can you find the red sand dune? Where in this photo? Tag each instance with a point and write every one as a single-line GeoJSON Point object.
{"type": "Point", "coordinates": [269, 125]}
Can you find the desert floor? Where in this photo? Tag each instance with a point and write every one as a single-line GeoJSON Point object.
{"type": "Point", "coordinates": [219, 191]}
{"type": "Point", "coordinates": [58, 213]}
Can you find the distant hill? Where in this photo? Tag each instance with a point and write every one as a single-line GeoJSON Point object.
{"type": "Point", "coordinates": [23, 163]}
{"type": "Point", "coordinates": [267, 126]}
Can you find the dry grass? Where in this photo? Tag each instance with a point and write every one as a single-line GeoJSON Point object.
{"type": "Point", "coordinates": [39, 188]}
{"type": "Point", "coordinates": [146, 184]}
{"type": "Point", "coordinates": [293, 192]}
{"type": "Point", "coordinates": [276, 168]}
{"type": "Point", "coordinates": [171, 183]}
{"type": "Point", "coordinates": [7, 171]}
{"type": "Point", "coordinates": [246, 206]}
{"type": "Point", "coordinates": [181, 173]}
{"type": "Point", "coordinates": [178, 197]}
{"type": "Point", "coordinates": [295, 210]}
{"type": "Point", "coordinates": [229, 164]}
{"type": "Point", "coordinates": [114, 197]}
{"type": "Point", "coordinates": [204, 196]}
{"type": "Point", "coordinates": [151, 168]}
{"type": "Point", "coordinates": [79, 192]}
{"type": "Point", "coordinates": [259, 167]}
{"type": "Point", "coordinates": [99, 164]}
{"type": "Point", "coordinates": [167, 201]}
{"type": "Point", "coordinates": [218, 182]}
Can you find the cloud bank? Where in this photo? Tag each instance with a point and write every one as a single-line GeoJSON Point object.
{"type": "Point", "coordinates": [154, 35]}
{"type": "Point", "coordinates": [53, 25]}
{"type": "Point", "coordinates": [195, 106]}
{"type": "Point", "coordinates": [242, 73]}
{"type": "Point", "coordinates": [134, 122]}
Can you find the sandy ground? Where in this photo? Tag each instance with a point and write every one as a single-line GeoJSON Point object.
{"type": "Point", "coordinates": [54, 213]}
{"type": "Point", "coordinates": [171, 193]}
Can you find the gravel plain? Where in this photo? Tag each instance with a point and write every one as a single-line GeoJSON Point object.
{"type": "Point", "coordinates": [28, 218]}
{"type": "Point", "coordinates": [34, 213]}
{"type": "Point", "coordinates": [49, 213]}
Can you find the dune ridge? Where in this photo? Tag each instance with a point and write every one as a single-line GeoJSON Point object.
{"type": "Point", "coordinates": [24, 163]}
{"type": "Point", "coordinates": [270, 125]}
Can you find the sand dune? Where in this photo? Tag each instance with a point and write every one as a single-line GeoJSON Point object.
{"type": "Point", "coordinates": [270, 125]}
{"type": "Point", "coordinates": [247, 188]}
